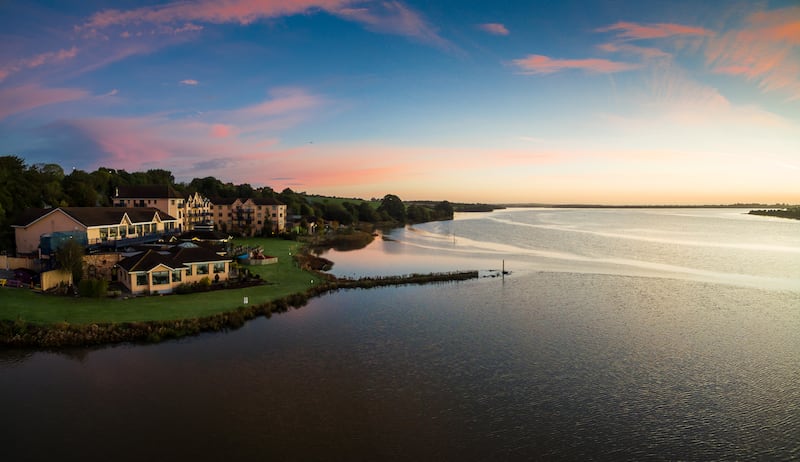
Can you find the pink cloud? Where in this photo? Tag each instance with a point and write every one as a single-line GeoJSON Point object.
{"type": "Point", "coordinates": [38, 60]}
{"type": "Point", "coordinates": [221, 131]}
{"type": "Point", "coordinates": [629, 30]}
{"type": "Point", "coordinates": [283, 102]}
{"type": "Point", "coordinates": [762, 50]}
{"type": "Point", "coordinates": [190, 82]}
{"type": "Point", "coordinates": [538, 64]}
{"type": "Point", "coordinates": [212, 11]}
{"type": "Point", "coordinates": [392, 17]}
{"type": "Point", "coordinates": [387, 17]}
{"type": "Point", "coordinates": [23, 98]}
{"type": "Point", "coordinates": [645, 52]}
{"type": "Point", "coordinates": [494, 28]}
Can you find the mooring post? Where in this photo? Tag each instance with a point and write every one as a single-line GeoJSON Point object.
{"type": "Point", "coordinates": [503, 271]}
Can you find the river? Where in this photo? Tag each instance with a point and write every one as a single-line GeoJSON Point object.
{"type": "Point", "coordinates": [618, 334]}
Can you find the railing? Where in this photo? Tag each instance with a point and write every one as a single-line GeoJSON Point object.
{"type": "Point", "coordinates": [123, 242]}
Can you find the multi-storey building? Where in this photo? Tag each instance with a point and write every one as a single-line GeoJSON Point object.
{"type": "Point", "coordinates": [198, 211]}
{"type": "Point", "coordinates": [160, 196]}
{"type": "Point", "coordinates": [249, 216]}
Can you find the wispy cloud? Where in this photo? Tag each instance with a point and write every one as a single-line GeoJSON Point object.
{"type": "Point", "coordinates": [240, 135]}
{"type": "Point", "coordinates": [189, 82]}
{"type": "Point", "coordinates": [634, 31]}
{"type": "Point", "coordinates": [539, 64]}
{"type": "Point", "coordinates": [645, 52]}
{"type": "Point", "coordinates": [37, 60]}
{"type": "Point", "coordinates": [14, 100]}
{"type": "Point", "coordinates": [386, 17]}
{"type": "Point", "coordinates": [392, 17]}
{"type": "Point", "coordinates": [493, 28]}
{"type": "Point", "coordinates": [211, 11]}
{"type": "Point", "coordinates": [764, 50]}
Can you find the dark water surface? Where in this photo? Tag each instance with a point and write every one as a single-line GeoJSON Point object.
{"type": "Point", "coordinates": [619, 335]}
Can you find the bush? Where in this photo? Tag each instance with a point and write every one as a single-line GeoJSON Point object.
{"type": "Point", "coordinates": [95, 288]}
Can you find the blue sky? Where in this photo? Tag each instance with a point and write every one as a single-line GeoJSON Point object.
{"type": "Point", "coordinates": [590, 101]}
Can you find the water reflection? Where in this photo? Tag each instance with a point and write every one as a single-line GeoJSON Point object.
{"type": "Point", "coordinates": [547, 365]}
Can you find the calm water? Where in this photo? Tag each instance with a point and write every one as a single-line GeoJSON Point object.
{"type": "Point", "coordinates": [620, 334]}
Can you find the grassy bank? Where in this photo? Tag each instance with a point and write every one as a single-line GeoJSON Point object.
{"type": "Point", "coordinates": [30, 319]}
{"type": "Point", "coordinates": [283, 279]}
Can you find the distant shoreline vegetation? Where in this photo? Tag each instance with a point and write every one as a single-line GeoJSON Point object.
{"type": "Point", "coordinates": [789, 212]}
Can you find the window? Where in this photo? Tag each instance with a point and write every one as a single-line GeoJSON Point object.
{"type": "Point", "coordinates": [139, 229]}
{"type": "Point", "coordinates": [202, 269]}
{"type": "Point", "coordinates": [176, 276]}
{"type": "Point", "coordinates": [219, 267]}
{"type": "Point", "coordinates": [189, 270]}
{"type": "Point", "coordinates": [141, 279]}
{"type": "Point", "coordinates": [103, 234]}
{"type": "Point", "coordinates": [160, 278]}
{"type": "Point", "coordinates": [172, 202]}
{"type": "Point", "coordinates": [112, 232]}
{"type": "Point", "coordinates": [122, 231]}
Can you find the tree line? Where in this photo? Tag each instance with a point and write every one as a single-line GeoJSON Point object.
{"type": "Point", "coordinates": [45, 185]}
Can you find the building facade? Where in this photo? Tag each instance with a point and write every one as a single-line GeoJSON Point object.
{"type": "Point", "coordinates": [198, 211]}
{"type": "Point", "coordinates": [162, 272]}
{"type": "Point", "coordinates": [94, 226]}
{"type": "Point", "coordinates": [249, 217]}
{"type": "Point", "coordinates": [162, 197]}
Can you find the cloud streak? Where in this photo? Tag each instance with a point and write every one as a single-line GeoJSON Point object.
{"type": "Point", "coordinates": [14, 100]}
{"type": "Point", "coordinates": [37, 61]}
{"type": "Point", "coordinates": [764, 50]}
{"type": "Point", "coordinates": [386, 17]}
{"type": "Point", "coordinates": [494, 28]}
{"type": "Point", "coordinates": [634, 31]}
{"type": "Point", "coordinates": [539, 64]}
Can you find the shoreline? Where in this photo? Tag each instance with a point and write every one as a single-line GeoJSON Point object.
{"type": "Point", "coordinates": [23, 334]}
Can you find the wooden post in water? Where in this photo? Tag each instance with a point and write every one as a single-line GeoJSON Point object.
{"type": "Point", "coordinates": [503, 271]}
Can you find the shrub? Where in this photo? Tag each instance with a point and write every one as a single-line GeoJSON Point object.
{"type": "Point", "coordinates": [93, 288]}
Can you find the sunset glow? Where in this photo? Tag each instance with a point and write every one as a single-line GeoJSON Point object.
{"type": "Point", "coordinates": [524, 102]}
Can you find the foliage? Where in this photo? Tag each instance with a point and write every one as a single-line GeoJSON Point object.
{"type": "Point", "coordinates": [789, 212]}
{"type": "Point", "coordinates": [393, 207]}
{"type": "Point", "coordinates": [70, 257]}
{"type": "Point", "coordinates": [46, 185]}
{"type": "Point", "coordinates": [93, 288]}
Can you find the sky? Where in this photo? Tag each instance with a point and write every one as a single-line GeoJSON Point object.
{"type": "Point", "coordinates": [608, 102]}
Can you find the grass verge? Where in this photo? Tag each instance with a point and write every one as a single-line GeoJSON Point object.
{"type": "Point", "coordinates": [283, 279]}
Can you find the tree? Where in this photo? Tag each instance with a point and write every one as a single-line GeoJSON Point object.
{"type": "Point", "coordinates": [418, 213]}
{"type": "Point", "coordinates": [367, 213]}
{"type": "Point", "coordinates": [393, 207]}
{"type": "Point", "coordinates": [70, 257]}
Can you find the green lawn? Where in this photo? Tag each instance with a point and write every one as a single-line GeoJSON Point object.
{"type": "Point", "coordinates": [283, 278]}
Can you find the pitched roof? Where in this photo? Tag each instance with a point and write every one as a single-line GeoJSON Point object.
{"type": "Point", "coordinates": [148, 191]}
{"type": "Point", "coordinates": [267, 201]}
{"type": "Point", "coordinates": [97, 216]}
{"type": "Point", "coordinates": [146, 261]}
{"type": "Point", "coordinates": [177, 258]}
{"type": "Point", "coordinates": [28, 216]}
{"type": "Point", "coordinates": [222, 200]}
{"type": "Point", "coordinates": [184, 255]}
{"type": "Point", "coordinates": [257, 201]}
